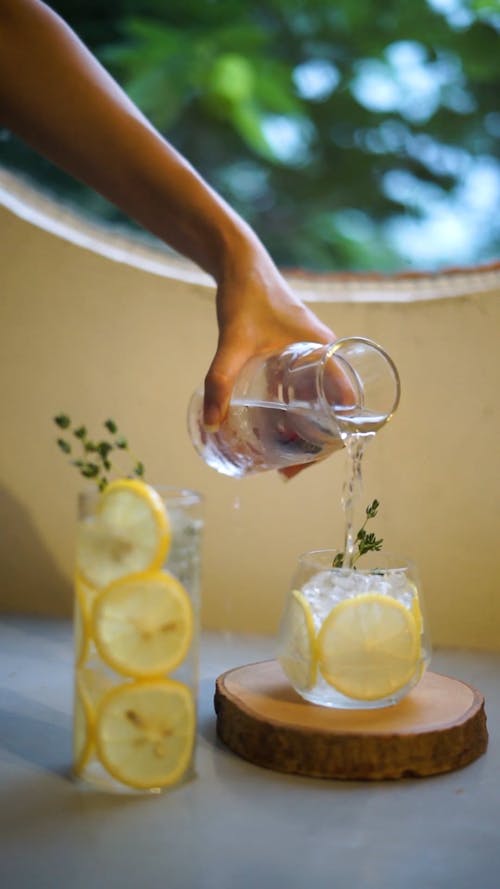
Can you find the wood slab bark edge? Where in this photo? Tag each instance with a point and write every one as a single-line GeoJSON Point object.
{"type": "Point", "coordinates": [252, 733]}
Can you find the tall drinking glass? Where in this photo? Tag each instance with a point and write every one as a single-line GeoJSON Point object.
{"type": "Point", "coordinates": [136, 630]}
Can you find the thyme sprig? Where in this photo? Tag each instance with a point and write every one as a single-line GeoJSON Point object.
{"type": "Point", "coordinates": [94, 460]}
{"type": "Point", "coordinates": [366, 541]}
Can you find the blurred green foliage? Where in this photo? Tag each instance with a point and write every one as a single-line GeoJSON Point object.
{"type": "Point", "coordinates": [355, 135]}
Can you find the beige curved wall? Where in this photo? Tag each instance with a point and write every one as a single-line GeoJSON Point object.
{"type": "Point", "coordinates": [83, 333]}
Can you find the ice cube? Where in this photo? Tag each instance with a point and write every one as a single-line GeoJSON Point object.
{"type": "Point", "coordinates": [326, 589]}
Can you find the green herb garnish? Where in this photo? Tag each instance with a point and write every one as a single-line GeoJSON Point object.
{"type": "Point", "coordinates": [366, 542]}
{"type": "Point", "coordinates": [94, 461]}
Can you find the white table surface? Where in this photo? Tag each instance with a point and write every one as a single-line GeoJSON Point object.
{"type": "Point", "coordinates": [235, 826]}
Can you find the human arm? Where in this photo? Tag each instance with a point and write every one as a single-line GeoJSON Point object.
{"type": "Point", "coordinates": [57, 97]}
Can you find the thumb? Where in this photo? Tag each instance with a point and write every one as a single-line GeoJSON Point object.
{"type": "Point", "coordinates": [219, 383]}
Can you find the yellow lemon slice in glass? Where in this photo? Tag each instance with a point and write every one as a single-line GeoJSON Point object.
{"type": "Point", "coordinates": [85, 596]}
{"type": "Point", "coordinates": [368, 647]}
{"type": "Point", "coordinates": [296, 645]}
{"type": "Point", "coordinates": [417, 612]}
{"type": "Point", "coordinates": [145, 732]}
{"type": "Point", "coordinates": [80, 625]}
{"type": "Point", "coordinates": [94, 684]}
{"type": "Point", "coordinates": [143, 624]}
{"type": "Point", "coordinates": [130, 532]}
{"type": "Point", "coordinates": [90, 687]}
{"type": "Point", "coordinates": [82, 729]}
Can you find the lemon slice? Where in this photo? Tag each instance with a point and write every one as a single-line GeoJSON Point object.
{"type": "Point", "coordinates": [297, 647]}
{"type": "Point", "coordinates": [93, 684]}
{"type": "Point", "coordinates": [368, 647]}
{"type": "Point", "coordinates": [130, 532]}
{"type": "Point", "coordinates": [83, 601]}
{"type": "Point", "coordinates": [417, 612]}
{"type": "Point", "coordinates": [90, 687]}
{"type": "Point", "coordinates": [80, 625]}
{"type": "Point", "coordinates": [143, 624]}
{"type": "Point", "coordinates": [82, 729]}
{"type": "Point", "coordinates": [145, 732]}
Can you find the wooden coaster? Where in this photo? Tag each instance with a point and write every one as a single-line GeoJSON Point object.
{"type": "Point", "coordinates": [440, 726]}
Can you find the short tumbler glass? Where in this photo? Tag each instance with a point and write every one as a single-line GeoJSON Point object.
{"type": "Point", "coordinates": [124, 720]}
{"type": "Point", "coordinates": [354, 638]}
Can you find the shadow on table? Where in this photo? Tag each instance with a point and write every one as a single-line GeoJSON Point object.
{"type": "Point", "coordinates": [38, 787]}
{"type": "Point", "coordinates": [34, 732]}
{"type": "Point", "coordinates": [31, 580]}
{"type": "Point", "coordinates": [206, 714]}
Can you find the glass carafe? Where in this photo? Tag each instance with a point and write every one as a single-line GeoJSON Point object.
{"type": "Point", "coordinates": [298, 405]}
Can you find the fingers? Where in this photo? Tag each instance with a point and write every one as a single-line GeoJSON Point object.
{"type": "Point", "coordinates": [216, 399]}
{"type": "Point", "coordinates": [340, 384]}
{"type": "Point", "coordinates": [290, 471]}
{"type": "Point", "coordinates": [219, 383]}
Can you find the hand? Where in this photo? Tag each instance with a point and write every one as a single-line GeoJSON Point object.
{"type": "Point", "coordinates": [257, 314]}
